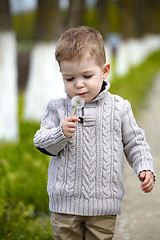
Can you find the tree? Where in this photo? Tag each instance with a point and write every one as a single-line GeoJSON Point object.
{"type": "Point", "coordinates": [48, 21]}
{"type": "Point", "coordinates": [102, 6]}
{"type": "Point", "coordinates": [44, 81]}
{"type": "Point", "coordinates": [5, 17]}
{"type": "Point", "coordinates": [76, 13]}
{"type": "Point", "coordinates": [128, 16]}
{"type": "Point", "coordinates": [139, 18]}
{"type": "Point", "coordinates": [151, 17]}
{"type": "Point", "coordinates": [8, 76]}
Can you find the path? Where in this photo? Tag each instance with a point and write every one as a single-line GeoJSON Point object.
{"type": "Point", "coordinates": [140, 218]}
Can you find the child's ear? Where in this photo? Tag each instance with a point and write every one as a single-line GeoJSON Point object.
{"type": "Point", "coordinates": [106, 70]}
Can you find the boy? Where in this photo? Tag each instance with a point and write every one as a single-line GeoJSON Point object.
{"type": "Point", "coordinates": [85, 176]}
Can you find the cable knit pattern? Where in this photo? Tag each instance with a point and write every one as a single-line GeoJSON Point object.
{"type": "Point", "coordinates": [85, 175]}
{"type": "Point", "coordinates": [89, 163]}
{"type": "Point", "coordinates": [107, 148]}
{"type": "Point", "coordinates": [71, 169]}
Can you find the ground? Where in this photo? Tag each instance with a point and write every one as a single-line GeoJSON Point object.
{"type": "Point", "coordinates": [140, 218]}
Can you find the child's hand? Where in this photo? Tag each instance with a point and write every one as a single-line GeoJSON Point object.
{"type": "Point", "coordinates": [69, 126]}
{"type": "Point", "coordinates": [148, 181]}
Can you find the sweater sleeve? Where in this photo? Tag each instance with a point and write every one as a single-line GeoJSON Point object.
{"type": "Point", "coordinates": [50, 139]}
{"type": "Point", "coordinates": [136, 149]}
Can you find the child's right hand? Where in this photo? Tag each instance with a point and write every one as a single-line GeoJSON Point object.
{"type": "Point", "coordinates": [147, 181]}
{"type": "Point", "coordinates": [69, 126]}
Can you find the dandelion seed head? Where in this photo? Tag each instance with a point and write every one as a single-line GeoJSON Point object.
{"type": "Point", "coordinates": [78, 102]}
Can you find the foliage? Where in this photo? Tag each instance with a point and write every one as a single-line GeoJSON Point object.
{"type": "Point", "coordinates": [23, 164]}
{"type": "Point", "coordinates": [24, 25]}
{"type": "Point", "coordinates": [114, 17]}
{"type": "Point", "coordinates": [91, 18]}
{"type": "Point", "coordinates": [123, 17]}
{"type": "Point", "coordinates": [20, 222]}
{"type": "Point", "coordinates": [23, 170]}
{"type": "Point", "coordinates": [23, 199]}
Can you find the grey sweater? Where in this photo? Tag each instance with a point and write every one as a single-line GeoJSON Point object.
{"type": "Point", "coordinates": [85, 175]}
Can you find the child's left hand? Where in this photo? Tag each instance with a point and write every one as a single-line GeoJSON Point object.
{"type": "Point", "coordinates": [148, 183]}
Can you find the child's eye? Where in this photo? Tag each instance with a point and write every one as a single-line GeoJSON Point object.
{"type": "Point", "coordinates": [70, 79]}
{"type": "Point", "coordinates": [87, 76]}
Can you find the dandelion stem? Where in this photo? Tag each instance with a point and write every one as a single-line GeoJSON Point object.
{"type": "Point", "coordinates": [74, 109]}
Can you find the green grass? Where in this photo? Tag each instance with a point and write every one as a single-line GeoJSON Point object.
{"type": "Point", "coordinates": [23, 169]}
{"type": "Point", "coordinates": [136, 84]}
{"type": "Point", "coordinates": [23, 199]}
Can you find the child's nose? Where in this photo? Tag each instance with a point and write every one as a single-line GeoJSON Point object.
{"type": "Point", "coordinates": [79, 83]}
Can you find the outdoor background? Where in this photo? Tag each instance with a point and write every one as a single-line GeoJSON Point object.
{"type": "Point", "coordinates": [29, 78]}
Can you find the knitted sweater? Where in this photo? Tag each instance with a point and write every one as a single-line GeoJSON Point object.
{"type": "Point", "coordinates": [85, 175]}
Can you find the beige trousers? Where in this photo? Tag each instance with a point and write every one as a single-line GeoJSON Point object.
{"type": "Point", "coordinates": [72, 227]}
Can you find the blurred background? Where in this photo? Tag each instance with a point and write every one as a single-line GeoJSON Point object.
{"type": "Point", "coordinates": [29, 78]}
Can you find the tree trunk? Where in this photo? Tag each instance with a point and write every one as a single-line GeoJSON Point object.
{"type": "Point", "coordinates": [102, 6]}
{"type": "Point", "coordinates": [127, 15]}
{"type": "Point", "coordinates": [8, 77]}
{"type": "Point", "coordinates": [44, 81]}
{"type": "Point", "coordinates": [76, 13]}
{"type": "Point", "coordinates": [5, 18]}
{"type": "Point", "coordinates": [48, 21]}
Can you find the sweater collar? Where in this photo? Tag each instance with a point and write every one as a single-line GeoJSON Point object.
{"type": "Point", "coordinates": [104, 90]}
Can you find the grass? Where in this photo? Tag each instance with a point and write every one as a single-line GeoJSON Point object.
{"type": "Point", "coordinates": [23, 170]}
{"type": "Point", "coordinates": [23, 199]}
{"type": "Point", "coordinates": [136, 84]}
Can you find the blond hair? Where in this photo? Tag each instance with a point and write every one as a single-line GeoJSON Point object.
{"type": "Point", "coordinates": [76, 42]}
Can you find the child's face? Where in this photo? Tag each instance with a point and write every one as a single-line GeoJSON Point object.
{"type": "Point", "coordinates": [83, 77]}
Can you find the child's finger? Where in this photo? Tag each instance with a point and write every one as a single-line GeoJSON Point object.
{"type": "Point", "coordinates": [148, 188]}
{"type": "Point", "coordinates": [73, 119]}
{"type": "Point", "coordinates": [142, 176]}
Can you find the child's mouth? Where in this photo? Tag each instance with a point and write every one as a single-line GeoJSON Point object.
{"type": "Point", "coordinates": [81, 94]}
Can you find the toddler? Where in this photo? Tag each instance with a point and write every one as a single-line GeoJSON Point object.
{"type": "Point", "coordinates": [85, 176]}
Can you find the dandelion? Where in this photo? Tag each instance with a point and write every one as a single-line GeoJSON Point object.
{"type": "Point", "coordinates": [77, 102]}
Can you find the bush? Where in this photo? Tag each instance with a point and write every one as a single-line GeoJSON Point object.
{"type": "Point", "coordinates": [20, 222]}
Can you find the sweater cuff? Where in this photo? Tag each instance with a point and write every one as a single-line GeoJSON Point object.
{"type": "Point", "coordinates": [144, 166]}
